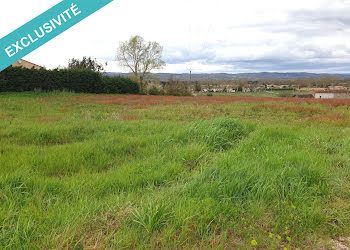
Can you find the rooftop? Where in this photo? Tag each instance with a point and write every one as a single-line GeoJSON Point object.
{"type": "Point", "coordinates": [332, 91]}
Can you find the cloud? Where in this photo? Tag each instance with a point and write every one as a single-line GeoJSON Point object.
{"type": "Point", "coordinates": [205, 35]}
{"type": "Point", "coordinates": [306, 40]}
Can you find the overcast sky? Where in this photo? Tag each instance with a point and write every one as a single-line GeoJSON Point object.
{"type": "Point", "coordinates": [207, 36]}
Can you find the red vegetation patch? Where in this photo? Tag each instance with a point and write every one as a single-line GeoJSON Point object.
{"type": "Point", "coordinates": [142, 101]}
{"type": "Point", "coordinates": [336, 118]}
{"type": "Point", "coordinates": [129, 118]}
{"type": "Point", "coordinates": [303, 110]}
{"type": "Point", "coordinates": [296, 109]}
{"type": "Point", "coordinates": [2, 116]}
{"type": "Point", "coordinates": [49, 119]}
{"type": "Point", "coordinates": [65, 109]}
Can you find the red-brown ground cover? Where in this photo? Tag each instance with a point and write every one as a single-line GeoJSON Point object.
{"type": "Point", "coordinates": [142, 101]}
{"type": "Point", "coordinates": [129, 118]}
{"type": "Point", "coordinates": [49, 119]}
{"type": "Point", "coordinates": [296, 109]}
{"type": "Point", "coordinates": [336, 118]}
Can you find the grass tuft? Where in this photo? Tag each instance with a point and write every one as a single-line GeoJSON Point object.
{"type": "Point", "coordinates": [151, 217]}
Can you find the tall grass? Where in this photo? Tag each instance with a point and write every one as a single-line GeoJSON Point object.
{"type": "Point", "coordinates": [185, 174]}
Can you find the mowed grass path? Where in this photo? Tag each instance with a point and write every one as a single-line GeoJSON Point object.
{"type": "Point", "coordinates": [92, 171]}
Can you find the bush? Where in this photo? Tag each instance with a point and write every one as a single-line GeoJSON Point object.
{"type": "Point", "coordinates": [285, 94]}
{"type": "Point", "coordinates": [155, 91]}
{"type": "Point", "coordinates": [177, 89]}
{"type": "Point", "coordinates": [16, 79]}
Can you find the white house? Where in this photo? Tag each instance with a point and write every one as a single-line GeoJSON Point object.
{"type": "Point", "coordinates": [332, 94]}
{"type": "Point", "coordinates": [324, 95]}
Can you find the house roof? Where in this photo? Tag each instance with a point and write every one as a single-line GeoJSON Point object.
{"type": "Point", "coordinates": [332, 91]}
{"type": "Point", "coordinates": [30, 63]}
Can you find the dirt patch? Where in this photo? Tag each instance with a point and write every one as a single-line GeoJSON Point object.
{"type": "Point", "coordinates": [341, 243]}
{"type": "Point", "coordinates": [105, 225]}
{"type": "Point", "coordinates": [3, 116]}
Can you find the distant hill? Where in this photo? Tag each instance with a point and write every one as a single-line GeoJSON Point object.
{"type": "Point", "coordinates": [250, 76]}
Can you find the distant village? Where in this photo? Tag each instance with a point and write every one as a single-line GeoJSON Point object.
{"type": "Point", "coordinates": [330, 92]}
{"type": "Point", "coordinates": [318, 88]}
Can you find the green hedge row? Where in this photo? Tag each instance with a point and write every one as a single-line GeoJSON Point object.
{"type": "Point", "coordinates": [16, 79]}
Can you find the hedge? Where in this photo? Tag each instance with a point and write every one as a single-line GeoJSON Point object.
{"type": "Point", "coordinates": [17, 79]}
{"type": "Point", "coordinates": [118, 84]}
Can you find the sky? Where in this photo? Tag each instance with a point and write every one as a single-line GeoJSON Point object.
{"type": "Point", "coordinates": [205, 36]}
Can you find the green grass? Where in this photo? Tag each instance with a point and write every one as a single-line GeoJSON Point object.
{"type": "Point", "coordinates": [76, 173]}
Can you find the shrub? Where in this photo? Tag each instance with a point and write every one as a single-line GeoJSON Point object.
{"type": "Point", "coordinates": [155, 91]}
{"type": "Point", "coordinates": [285, 94]}
{"type": "Point", "coordinates": [177, 89]}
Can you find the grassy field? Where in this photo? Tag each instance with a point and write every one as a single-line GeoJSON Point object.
{"type": "Point", "coordinates": [268, 93]}
{"type": "Point", "coordinates": [95, 172]}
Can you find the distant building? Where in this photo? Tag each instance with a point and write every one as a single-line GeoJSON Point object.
{"type": "Point", "coordinates": [26, 64]}
{"type": "Point", "coordinates": [332, 94]}
{"type": "Point", "coordinates": [284, 87]}
{"type": "Point", "coordinates": [259, 89]}
{"type": "Point", "coordinates": [313, 89]}
{"type": "Point", "coordinates": [270, 87]}
{"type": "Point", "coordinates": [215, 90]}
{"type": "Point", "coordinates": [337, 88]}
{"type": "Point", "coordinates": [304, 95]}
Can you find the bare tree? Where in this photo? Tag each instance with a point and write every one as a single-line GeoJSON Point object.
{"type": "Point", "coordinates": [86, 63]}
{"type": "Point", "coordinates": [140, 57]}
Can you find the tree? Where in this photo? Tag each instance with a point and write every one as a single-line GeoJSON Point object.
{"type": "Point", "coordinates": [140, 57]}
{"type": "Point", "coordinates": [85, 63]}
{"type": "Point", "coordinates": [197, 87]}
